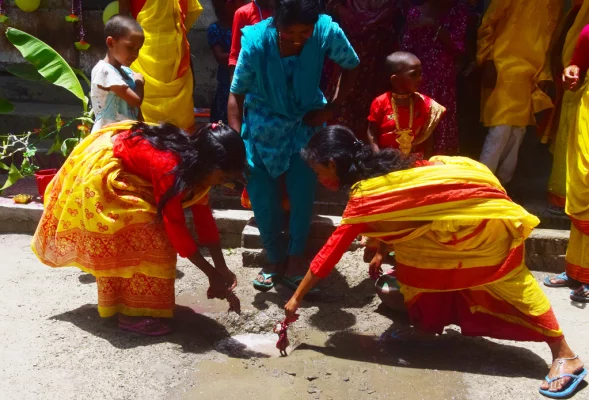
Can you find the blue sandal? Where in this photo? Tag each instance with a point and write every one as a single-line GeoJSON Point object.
{"type": "Point", "coordinates": [562, 276]}
{"type": "Point", "coordinates": [580, 299]}
{"type": "Point", "coordinates": [293, 282]}
{"type": "Point", "coordinates": [263, 286]}
{"type": "Point", "coordinates": [569, 389]}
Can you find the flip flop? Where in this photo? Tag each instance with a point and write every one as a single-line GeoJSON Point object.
{"type": "Point", "coordinates": [580, 299]}
{"type": "Point", "coordinates": [569, 389]}
{"type": "Point", "coordinates": [264, 287]}
{"type": "Point", "coordinates": [145, 326]}
{"type": "Point", "coordinates": [562, 276]}
{"type": "Point", "coordinates": [293, 282]}
{"type": "Point", "coordinates": [395, 337]}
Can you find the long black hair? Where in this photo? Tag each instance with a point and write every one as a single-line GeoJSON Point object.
{"type": "Point", "coordinates": [354, 161]}
{"type": "Point", "coordinates": [293, 12]}
{"type": "Point", "coordinates": [213, 147]}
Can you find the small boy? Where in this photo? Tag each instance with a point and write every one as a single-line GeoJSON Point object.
{"type": "Point", "coordinates": [403, 118]}
{"type": "Point", "coordinates": [116, 91]}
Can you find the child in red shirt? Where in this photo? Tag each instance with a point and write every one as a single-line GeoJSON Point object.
{"type": "Point", "coordinates": [403, 118]}
{"type": "Point", "coordinates": [250, 14]}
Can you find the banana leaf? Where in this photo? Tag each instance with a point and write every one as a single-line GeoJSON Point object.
{"type": "Point", "coordinates": [5, 106]}
{"type": "Point", "coordinates": [48, 62]}
{"type": "Point", "coordinates": [25, 71]}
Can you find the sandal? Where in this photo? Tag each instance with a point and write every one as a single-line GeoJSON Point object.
{"type": "Point", "coordinates": [563, 277]}
{"type": "Point", "coordinates": [569, 389]}
{"type": "Point", "coordinates": [580, 298]}
{"type": "Point", "coordinates": [263, 286]}
{"type": "Point", "coordinates": [147, 326]}
{"type": "Point", "coordinates": [293, 282]}
{"type": "Point", "coordinates": [555, 210]}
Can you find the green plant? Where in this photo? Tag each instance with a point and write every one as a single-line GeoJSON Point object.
{"type": "Point", "coordinates": [45, 64]}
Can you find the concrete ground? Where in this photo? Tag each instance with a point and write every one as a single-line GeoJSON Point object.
{"type": "Point", "coordinates": [53, 345]}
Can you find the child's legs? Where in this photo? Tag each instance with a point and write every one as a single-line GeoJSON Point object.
{"type": "Point", "coordinates": [495, 145]}
{"type": "Point", "coordinates": [265, 196]}
{"type": "Point", "coordinates": [510, 155]}
{"type": "Point", "coordinates": [300, 186]}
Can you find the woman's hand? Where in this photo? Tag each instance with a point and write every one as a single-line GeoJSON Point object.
{"type": "Point", "coordinates": [217, 284]}
{"type": "Point", "coordinates": [316, 118]}
{"type": "Point", "coordinates": [571, 78]}
{"type": "Point", "coordinates": [138, 77]}
{"type": "Point", "coordinates": [290, 309]}
{"type": "Point", "coordinates": [375, 266]}
{"type": "Point", "coordinates": [229, 277]}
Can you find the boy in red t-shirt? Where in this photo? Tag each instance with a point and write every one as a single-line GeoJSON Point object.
{"type": "Point", "coordinates": [250, 14]}
{"type": "Point", "coordinates": [403, 118]}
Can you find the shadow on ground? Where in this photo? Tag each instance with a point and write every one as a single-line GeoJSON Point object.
{"type": "Point", "coordinates": [194, 332]}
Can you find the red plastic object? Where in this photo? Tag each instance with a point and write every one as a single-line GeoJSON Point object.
{"type": "Point", "coordinates": [43, 178]}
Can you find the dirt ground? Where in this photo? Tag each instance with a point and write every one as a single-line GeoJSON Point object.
{"type": "Point", "coordinates": [53, 345]}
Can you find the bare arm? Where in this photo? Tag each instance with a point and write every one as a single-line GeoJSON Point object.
{"type": "Point", "coordinates": [235, 111]}
{"type": "Point", "coordinates": [221, 56]}
{"type": "Point", "coordinates": [346, 84]}
{"type": "Point", "coordinates": [133, 98]}
{"type": "Point", "coordinates": [372, 134]}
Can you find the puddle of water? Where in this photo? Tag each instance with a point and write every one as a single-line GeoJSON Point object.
{"type": "Point", "coordinates": [199, 302]}
{"type": "Point", "coordinates": [250, 345]}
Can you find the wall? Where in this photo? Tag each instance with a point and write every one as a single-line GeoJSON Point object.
{"type": "Point", "coordinates": [48, 24]}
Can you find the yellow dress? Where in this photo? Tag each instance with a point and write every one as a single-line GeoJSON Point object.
{"type": "Point", "coordinates": [577, 191]}
{"type": "Point", "coordinates": [570, 103]}
{"type": "Point", "coordinates": [516, 35]}
{"type": "Point", "coordinates": [164, 61]}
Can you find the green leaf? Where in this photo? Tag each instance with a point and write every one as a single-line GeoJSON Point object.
{"type": "Point", "coordinates": [87, 120]}
{"type": "Point", "coordinates": [56, 147]}
{"type": "Point", "coordinates": [82, 75]}
{"type": "Point", "coordinates": [31, 151]}
{"type": "Point", "coordinates": [58, 123]}
{"type": "Point", "coordinates": [4, 166]}
{"type": "Point", "coordinates": [5, 106]}
{"type": "Point", "coordinates": [47, 61]}
{"type": "Point", "coordinates": [13, 176]}
{"type": "Point", "coordinates": [68, 145]}
{"type": "Point", "coordinates": [26, 168]}
{"type": "Point", "coordinates": [25, 71]}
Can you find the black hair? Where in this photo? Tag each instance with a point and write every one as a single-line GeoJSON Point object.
{"type": "Point", "coordinates": [354, 161]}
{"type": "Point", "coordinates": [220, 10]}
{"type": "Point", "coordinates": [400, 61]}
{"type": "Point", "coordinates": [120, 26]}
{"type": "Point", "coordinates": [213, 147]}
{"type": "Point", "coordinates": [293, 12]}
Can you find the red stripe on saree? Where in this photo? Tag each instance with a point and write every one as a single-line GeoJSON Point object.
{"type": "Point", "coordinates": [419, 197]}
{"type": "Point", "coordinates": [458, 278]}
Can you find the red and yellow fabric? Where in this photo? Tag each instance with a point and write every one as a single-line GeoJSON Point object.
{"type": "Point", "coordinates": [565, 112]}
{"type": "Point", "coordinates": [577, 191]}
{"type": "Point", "coordinates": [427, 113]}
{"type": "Point", "coordinates": [164, 59]}
{"type": "Point", "coordinates": [102, 219]}
{"type": "Point", "coordinates": [459, 249]}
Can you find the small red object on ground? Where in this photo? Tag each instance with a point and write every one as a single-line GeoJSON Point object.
{"type": "Point", "coordinates": [281, 330]}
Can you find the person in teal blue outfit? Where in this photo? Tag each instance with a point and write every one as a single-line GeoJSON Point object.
{"type": "Point", "coordinates": [276, 103]}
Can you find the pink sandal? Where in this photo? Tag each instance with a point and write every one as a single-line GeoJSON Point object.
{"type": "Point", "coordinates": [148, 326]}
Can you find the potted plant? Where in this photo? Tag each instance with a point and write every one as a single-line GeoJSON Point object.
{"type": "Point", "coordinates": [21, 149]}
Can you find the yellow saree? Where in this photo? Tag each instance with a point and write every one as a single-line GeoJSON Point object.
{"type": "Point", "coordinates": [164, 61]}
{"type": "Point", "coordinates": [102, 220]}
{"type": "Point", "coordinates": [459, 249]}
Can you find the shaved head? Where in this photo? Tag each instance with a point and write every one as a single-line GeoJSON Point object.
{"type": "Point", "coordinates": [401, 61]}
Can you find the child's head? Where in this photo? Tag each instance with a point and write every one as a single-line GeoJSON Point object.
{"type": "Point", "coordinates": [124, 38]}
{"type": "Point", "coordinates": [225, 9]}
{"type": "Point", "coordinates": [405, 71]}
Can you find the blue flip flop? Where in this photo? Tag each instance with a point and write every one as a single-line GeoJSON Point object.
{"type": "Point", "coordinates": [570, 388]}
{"type": "Point", "coordinates": [562, 276]}
{"type": "Point", "coordinates": [264, 287]}
{"type": "Point", "coordinates": [580, 299]}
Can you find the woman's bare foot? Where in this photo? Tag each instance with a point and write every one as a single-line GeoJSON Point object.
{"type": "Point", "coordinates": [565, 362]}
{"type": "Point", "coordinates": [272, 268]}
